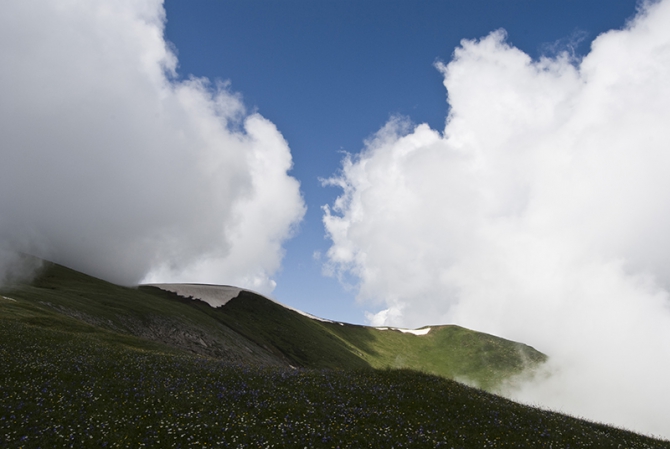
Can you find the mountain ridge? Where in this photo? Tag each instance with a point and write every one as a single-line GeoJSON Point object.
{"type": "Point", "coordinates": [247, 327]}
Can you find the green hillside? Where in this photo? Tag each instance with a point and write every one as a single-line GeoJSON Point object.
{"type": "Point", "coordinates": [69, 385]}
{"type": "Point", "coordinates": [85, 363]}
{"type": "Point", "coordinates": [250, 329]}
{"type": "Point", "coordinates": [448, 351]}
{"type": "Point", "coordinates": [286, 334]}
{"type": "Point", "coordinates": [64, 297]}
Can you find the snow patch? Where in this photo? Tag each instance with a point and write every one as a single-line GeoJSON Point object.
{"type": "Point", "coordinates": [415, 331]}
{"type": "Point", "coordinates": [9, 299]}
{"type": "Point", "coordinates": [423, 331]}
{"type": "Point", "coordinates": [214, 295]}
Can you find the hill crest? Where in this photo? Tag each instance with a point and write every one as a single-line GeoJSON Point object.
{"type": "Point", "coordinates": [240, 326]}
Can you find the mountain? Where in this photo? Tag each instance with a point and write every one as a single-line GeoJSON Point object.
{"type": "Point", "coordinates": [85, 363]}
{"type": "Point", "coordinates": [255, 330]}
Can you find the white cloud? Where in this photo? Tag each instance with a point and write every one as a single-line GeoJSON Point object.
{"type": "Point", "coordinates": [113, 167]}
{"type": "Point", "coordinates": [539, 214]}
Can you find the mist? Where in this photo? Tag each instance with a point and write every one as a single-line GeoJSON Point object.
{"type": "Point", "coordinates": [113, 165]}
{"type": "Point", "coordinates": [539, 214]}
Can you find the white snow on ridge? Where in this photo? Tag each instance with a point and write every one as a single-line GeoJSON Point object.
{"type": "Point", "coordinates": [219, 295]}
{"type": "Point", "coordinates": [214, 295]}
{"type": "Point", "coordinates": [423, 331]}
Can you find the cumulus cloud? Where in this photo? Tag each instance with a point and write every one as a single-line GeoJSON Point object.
{"type": "Point", "coordinates": [113, 166]}
{"type": "Point", "coordinates": [539, 213]}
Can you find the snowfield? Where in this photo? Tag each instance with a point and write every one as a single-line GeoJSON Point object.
{"type": "Point", "coordinates": [214, 295]}
{"type": "Point", "coordinates": [423, 331]}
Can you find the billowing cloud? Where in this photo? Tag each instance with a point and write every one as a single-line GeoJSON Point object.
{"type": "Point", "coordinates": [113, 166]}
{"type": "Point", "coordinates": [540, 214]}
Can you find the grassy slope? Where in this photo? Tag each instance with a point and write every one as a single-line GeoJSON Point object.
{"type": "Point", "coordinates": [84, 363]}
{"type": "Point", "coordinates": [63, 386]}
{"type": "Point", "coordinates": [449, 351]}
{"type": "Point", "coordinates": [306, 342]}
{"type": "Point", "coordinates": [59, 293]}
{"type": "Point", "coordinates": [252, 329]}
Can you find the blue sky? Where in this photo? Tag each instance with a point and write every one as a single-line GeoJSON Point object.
{"type": "Point", "coordinates": [329, 74]}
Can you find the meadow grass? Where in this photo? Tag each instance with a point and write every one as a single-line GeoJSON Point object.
{"type": "Point", "coordinates": [64, 389]}
{"type": "Point", "coordinates": [85, 363]}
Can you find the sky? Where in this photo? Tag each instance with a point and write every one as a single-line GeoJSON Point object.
{"type": "Point", "coordinates": [501, 165]}
{"type": "Point", "coordinates": [330, 74]}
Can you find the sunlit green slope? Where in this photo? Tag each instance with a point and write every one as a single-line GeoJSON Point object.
{"type": "Point", "coordinates": [448, 351]}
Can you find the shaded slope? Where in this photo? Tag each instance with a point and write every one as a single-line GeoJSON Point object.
{"type": "Point", "coordinates": [302, 341]}
{"type": "Point", "coordinates": [60, 292]}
